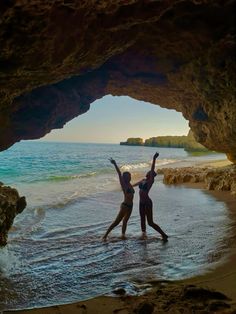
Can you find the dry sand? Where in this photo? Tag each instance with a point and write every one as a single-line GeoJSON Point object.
{"type": "Point", "coordinates": [215, 164]}
{"type": "Point", "coordinates": [194, 295]}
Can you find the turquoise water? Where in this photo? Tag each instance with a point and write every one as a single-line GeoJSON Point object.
{"type": "Point", "coordinates": [55, 255]}
{"type": "Point", "coordinates": [31, 162]}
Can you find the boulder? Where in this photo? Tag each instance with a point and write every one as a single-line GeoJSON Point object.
{"type": "Point", "coordinates": [11, 204]}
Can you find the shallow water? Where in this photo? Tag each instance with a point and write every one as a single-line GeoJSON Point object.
{"type": "Point", "coordinates": [55, 253]}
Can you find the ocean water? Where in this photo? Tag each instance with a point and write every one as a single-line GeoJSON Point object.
{"type": "Point", "coordinates": [55, 254]}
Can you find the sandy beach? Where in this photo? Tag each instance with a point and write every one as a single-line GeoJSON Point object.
{"type": "Point", "coordinates": [194, 295]}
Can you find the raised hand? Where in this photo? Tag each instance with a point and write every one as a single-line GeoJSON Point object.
{"type": "Point", "coordinates": [112, 161]}
{"type": "Point", "coordinates": [156, 155]}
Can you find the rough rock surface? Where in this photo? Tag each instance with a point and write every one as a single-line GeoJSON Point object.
{"type": "Point", "coordinates": [57, 57]}
{"type": "Point", "coordinates": [11, 204]}
{"type": "Point", "coordinates": [169, 297]}
{"type": "Point", "coordinates": [220, 179]}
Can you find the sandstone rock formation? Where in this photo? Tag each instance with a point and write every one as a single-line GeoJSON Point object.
{"type": "Point", "coordinates": [220, 179]}
{"type": "Point", "coordinates": [187, 142]}
{"type": "Point", "coordinates": [11, 204]}
{"type": "Point", "coordinates": [57, 57]}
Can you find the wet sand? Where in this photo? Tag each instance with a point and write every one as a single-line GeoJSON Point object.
{"type": "Point", "coordinates": [194, 295]}
{"type": "Point", "coordinates": [223, 278]}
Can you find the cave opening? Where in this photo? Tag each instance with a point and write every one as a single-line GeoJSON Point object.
{"type": "Point", "coordinates": [73, 193]}
{"type": "Point", "coordinates": [113, 119]}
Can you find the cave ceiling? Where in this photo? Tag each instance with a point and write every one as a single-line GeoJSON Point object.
{"type": "Point", "coordinates": [57, 57]}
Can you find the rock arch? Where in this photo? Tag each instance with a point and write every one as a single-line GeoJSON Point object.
{"type": "Point", "coordinates": [58, 57]}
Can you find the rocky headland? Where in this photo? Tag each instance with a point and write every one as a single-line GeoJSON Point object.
{"type": "Point", "coordinates": [187, 142]}
{"type": "Point", "coordinates": [11, 204]}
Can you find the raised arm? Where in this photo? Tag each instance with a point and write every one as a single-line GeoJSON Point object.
{"type": "Point", "coordinates": [116, 167]}
{"type": "Point", "coordinates": [137, 183]}
{"type": "Point", "coordinates": [153, 166]}
{"type": "Point", "coordinates": [118, 172]}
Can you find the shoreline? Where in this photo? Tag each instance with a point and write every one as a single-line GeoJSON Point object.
{"type": "Point", "coordinates": [222, 279]}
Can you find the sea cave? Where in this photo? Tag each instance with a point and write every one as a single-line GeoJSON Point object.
{"type": "Point", "coordinates": [56, 59]}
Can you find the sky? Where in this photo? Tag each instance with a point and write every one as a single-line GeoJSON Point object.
{"type": "Point", "coordinates": [114, 119]}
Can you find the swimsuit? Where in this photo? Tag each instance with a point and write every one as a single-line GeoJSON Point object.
{"type": "Point", "coordinates": [143, 186]}
{"type": "Point", "coordinates": [128, 191]}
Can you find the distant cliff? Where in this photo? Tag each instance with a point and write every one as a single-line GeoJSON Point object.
{"type": "Point", "coordinates": [167, 141]}
{"type": "Point", "coordinates": [187, 142]}
{"type": "Point", "coordinates": [133, 141]}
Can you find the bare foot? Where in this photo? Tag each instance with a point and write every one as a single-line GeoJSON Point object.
{"type": "Point", "coordinates": [104, 239]}
{"type": "Point", "coordinates": [123, 237]}
{"type": "Point", "coordinates": [143, 236]}
{"type": "Point", "coordinates": [165, 238]}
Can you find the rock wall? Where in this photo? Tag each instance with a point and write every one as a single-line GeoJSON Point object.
{"type": "Point", "coordinates": [11, 204]}
{"type": "Point", "coordinates": [57, 57]}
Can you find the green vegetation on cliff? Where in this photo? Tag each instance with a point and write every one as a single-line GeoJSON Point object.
{"type": "Point", "coordinates": [167, 141]}
{"type": "Point", "coordinates": [187, 142]}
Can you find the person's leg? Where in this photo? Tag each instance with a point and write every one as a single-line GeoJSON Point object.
{"type": "Point", "coordinates": [125, 220]}
{"type": "Point", "coordinates": [151, 222]}
{"type": "Point", "coordinates": [143, 219]}
{"type": "Point", "coordinates": [115, 222]}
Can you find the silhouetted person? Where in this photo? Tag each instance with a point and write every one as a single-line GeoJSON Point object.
{"type": "Point", "coordinates": [145, 203]}
{"type": "Point", "coordinates": [127, 205]}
